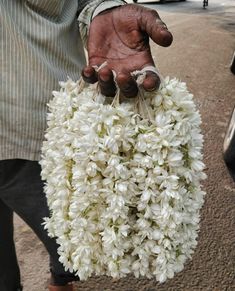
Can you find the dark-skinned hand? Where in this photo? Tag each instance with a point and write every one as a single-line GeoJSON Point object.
{"type": "Point", "coordinates": [120, 37]}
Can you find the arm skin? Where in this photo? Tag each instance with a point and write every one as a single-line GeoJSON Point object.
{"type": "Point", "coordinates": [120, 36]}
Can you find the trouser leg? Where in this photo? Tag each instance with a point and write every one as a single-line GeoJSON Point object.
{"type": "Point", "coordinates": [24, 194]}
{"type": "Point", "coordinates": [9, 269]}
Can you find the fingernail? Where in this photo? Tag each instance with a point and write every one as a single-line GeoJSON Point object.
{"type": "Point", "coordinates": [86, 74]}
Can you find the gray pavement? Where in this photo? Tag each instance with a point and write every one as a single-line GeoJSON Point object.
{"type": "Point", "coordinates": [204, 41]}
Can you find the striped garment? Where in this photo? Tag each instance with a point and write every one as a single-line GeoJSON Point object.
{"type": "Point", "coordinates": [40, 44]}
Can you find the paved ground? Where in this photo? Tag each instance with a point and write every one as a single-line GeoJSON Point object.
{"type": "Point", "coordinates": [203, 45]}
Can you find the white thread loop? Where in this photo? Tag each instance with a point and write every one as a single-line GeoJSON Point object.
{"type": "Point", "coordinates": [141, 74]}
{"type": "Point", "coordinates": [141, 106]}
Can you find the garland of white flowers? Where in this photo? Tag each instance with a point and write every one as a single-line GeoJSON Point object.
{"type": "Point", "coordinates": [123, 180]}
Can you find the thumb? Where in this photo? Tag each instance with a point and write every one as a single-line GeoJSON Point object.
{"type": "Point", "coordinates": [151, 23]}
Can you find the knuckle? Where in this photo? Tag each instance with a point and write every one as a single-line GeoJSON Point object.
{"type": "Point", "coordinates": [105, 74]}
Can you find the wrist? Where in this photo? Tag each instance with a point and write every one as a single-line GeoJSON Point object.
{"type": "Point", "coordinates": [106, 6]}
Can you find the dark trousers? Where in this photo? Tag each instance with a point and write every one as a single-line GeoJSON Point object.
{"type": "Point", "coordinates": [21, 191]}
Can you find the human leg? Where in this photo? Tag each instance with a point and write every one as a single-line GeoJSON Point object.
{"type": "Point", "coordinates": [23, 193]}
{"type": "Point", "coordinates": [9, 269]}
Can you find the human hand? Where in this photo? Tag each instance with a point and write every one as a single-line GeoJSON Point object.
{"type": "Point", "coordinates": [120, 37]}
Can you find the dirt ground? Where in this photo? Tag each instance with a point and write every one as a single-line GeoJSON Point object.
{"type": "Point", "coordinates": [204, 41]}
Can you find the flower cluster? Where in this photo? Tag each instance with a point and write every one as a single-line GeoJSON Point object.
{"type": "Point", "coordinates": [123, 180]}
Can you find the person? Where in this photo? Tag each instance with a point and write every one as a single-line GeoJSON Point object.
{"type": "Point", "coordinates": [41, 44]}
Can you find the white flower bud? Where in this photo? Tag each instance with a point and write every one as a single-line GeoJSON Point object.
{"type": "Point", "coordinates": [91, 169]}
